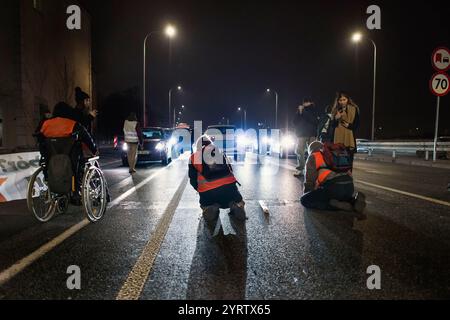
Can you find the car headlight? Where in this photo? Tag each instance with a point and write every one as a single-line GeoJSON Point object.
{"type": "Point", "coordinates": [242, 140]}
{"type": "Point", "coordinates": [172, 141]}
{"type": "Point", "coordinates": [266, 140]}
{"type": "Point", "coordinates": [160, 146]}
{"type": "Point", "coordinates": [125, 147]}
{"type": "Point", "coordinates": [288, 141]}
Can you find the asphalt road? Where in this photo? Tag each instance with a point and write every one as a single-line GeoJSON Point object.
{"type": "Point", "coordinates": [152, 243]}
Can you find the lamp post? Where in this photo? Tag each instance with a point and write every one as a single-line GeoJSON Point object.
{"type": "Point", "coordinates": [357, 37]}
{"type": "Point", "coordinates": [244, 125]}
{"type": "Point", "coordinates": [170, 32]}
{"type": "Point", "coordinates": [179, 88]}
{"type": "Point", "coordinates": [276, 107]}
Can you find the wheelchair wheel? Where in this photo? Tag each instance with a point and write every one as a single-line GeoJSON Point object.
{"type": "Point", "coordinates": [40, 200]}
{"type": "Point", "coordinates": [94, 194]}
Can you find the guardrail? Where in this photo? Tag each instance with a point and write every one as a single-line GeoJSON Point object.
{"type": "Point", "coordinates": [406, 147]}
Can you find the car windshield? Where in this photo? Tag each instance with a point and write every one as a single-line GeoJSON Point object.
{"type": "Point", "coordinates": [152, 134]}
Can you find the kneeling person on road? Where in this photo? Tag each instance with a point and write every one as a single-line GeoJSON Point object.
{"type": "Point", "coordinates": [326, 189]}
{"type": "Point", "coordinates": [212, 176]}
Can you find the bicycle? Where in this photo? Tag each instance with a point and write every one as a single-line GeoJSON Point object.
{"type": "Point", "coordinates": [44, 204]}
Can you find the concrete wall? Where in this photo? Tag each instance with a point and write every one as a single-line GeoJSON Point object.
{"type": "Point", "coordinates": [52, 61]}
{"type": "Point", "coordinates": [10, 90]}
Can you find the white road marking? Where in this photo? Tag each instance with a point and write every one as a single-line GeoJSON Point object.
{"type": "Point", "coordinates": [409, 194]}
{"type": "Point", "coordinates": [418, 196]}
{"type": "Point", "coordinates": [19, 266]}
{"type": "Point", "coordinates": [135, 282]}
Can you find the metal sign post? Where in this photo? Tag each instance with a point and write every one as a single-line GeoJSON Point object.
{"type": "Point", "coordinates": [436, 130]}
{"type": "Point", "coordinates": [439, 85]}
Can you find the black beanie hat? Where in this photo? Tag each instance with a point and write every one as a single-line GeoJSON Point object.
{"type": "Point", "coordinates": [80, 96]}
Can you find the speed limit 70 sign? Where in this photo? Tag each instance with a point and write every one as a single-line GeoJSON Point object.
{"type": "Point", "coordinates": [440, 84]}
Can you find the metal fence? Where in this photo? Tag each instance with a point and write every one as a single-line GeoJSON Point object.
{"type": "Point", "coordinates": [420, 149]}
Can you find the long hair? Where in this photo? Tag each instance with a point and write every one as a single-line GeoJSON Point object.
{"type": "Point", "coordinates": [344, 94]}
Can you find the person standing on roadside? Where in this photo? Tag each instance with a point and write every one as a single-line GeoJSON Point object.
{"type": "Point", "coordinates": [305, 124]}
{"type": "Point", "coordinates": [133, 138]}
{"type": "Point", "coordinates": [346, 114]}
{"type": "Point", "coordinates": [83, 112]}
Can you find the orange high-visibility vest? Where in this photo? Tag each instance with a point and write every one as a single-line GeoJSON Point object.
{"type": "Point", "coordinates": [321, 168]}
{"type": "Point", "coordinates": [207, 185]}
{"type": "Point", "coordinates": [58, 128]}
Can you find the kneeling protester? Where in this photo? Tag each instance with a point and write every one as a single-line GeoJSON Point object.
{"type": "Point", "coordinates": [328, 180]}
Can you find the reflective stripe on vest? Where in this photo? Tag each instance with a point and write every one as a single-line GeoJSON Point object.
{"type": "Point", "coordinates": [58, 128]}
{"type": "Point", "coordinates": [321, 167]}
{"type": "Point", "coordinates": [129, 129]}
{"type": "Point", "coordinates": [207, 185]}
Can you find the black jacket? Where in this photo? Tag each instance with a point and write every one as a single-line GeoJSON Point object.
{"type": "Point", "coordinates": [84, 119]}
{"type": "Point", "coordinates": [305, 123]}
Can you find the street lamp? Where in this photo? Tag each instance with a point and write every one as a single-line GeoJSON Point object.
{"type": "Point", "coordinates": [244, 125]}
{"type": "Point", "coordinates": [276, 107]}
{"type": "Point", "coordinates": [357, 37]}
{"type": "Point", "coordinates": [179, 113]}
{"type": "Point", "coordinates": [171, 33]}
{"type": "Point", "coordinates": [179, 88]}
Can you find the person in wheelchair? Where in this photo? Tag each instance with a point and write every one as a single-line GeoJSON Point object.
{"type": "Point", "coordinates": [62, 126]}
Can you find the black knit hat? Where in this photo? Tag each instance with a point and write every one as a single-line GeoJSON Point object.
{"type": "Point", "coordinates": [80, 96]}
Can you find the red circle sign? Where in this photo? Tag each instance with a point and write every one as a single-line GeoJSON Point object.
{"type": "Point", "coordinates": [440, 84]}
{"type": "Point", "coordinates": [441, 59]}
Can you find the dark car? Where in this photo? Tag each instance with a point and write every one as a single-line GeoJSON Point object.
{"type": "Point", "coordinates": [157, 146]}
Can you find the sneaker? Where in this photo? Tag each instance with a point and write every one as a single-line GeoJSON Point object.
{"type": "Point", "coordinates": [132, 171]}
{"type": "Point", "coordinates": [359, 202]}
{"type": "Point", "coordinates": [341, 205]}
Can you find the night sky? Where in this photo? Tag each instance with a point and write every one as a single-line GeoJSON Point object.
{"type": "Point", "coordinates": [227, 53]}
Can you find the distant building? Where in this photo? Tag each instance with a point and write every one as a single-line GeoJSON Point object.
{"type": "Point", "coordinates": [41, 63]}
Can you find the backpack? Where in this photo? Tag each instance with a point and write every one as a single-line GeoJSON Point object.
{"type": "Point", "coordinates": [60, 174]}
{"type": "Point", "coordinates": [337, 157]}
{"type": "Point", "coordinates": [59, 165]}
{"type": "Point", "coordinates": [215, 170]}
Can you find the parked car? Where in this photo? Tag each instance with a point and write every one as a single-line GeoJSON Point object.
{"type": "Point", "coordinates": [157, 146]}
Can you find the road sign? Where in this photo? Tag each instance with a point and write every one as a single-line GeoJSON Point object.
{"type": "Point", "coordinates": [441, 59]}
{"type": "Point", "coordinates": [440, 84]}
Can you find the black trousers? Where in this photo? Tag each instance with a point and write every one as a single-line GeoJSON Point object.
{"type": "Point", "coordinates": [222, 196]}
{"type": "Point", "coordinates": [340, 188]}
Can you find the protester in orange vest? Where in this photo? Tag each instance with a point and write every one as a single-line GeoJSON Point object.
{"type": "Point", "coordinates": [326, 189]}
{"type": "Point", "coordinates": [212, 177]}
{"type": "Point", "coordinates": [62, 126]}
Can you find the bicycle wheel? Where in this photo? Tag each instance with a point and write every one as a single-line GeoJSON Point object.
{"type": "Point", "coordinates": [94, 194]}
{"type": "Point", "coordinates": [40, 201]}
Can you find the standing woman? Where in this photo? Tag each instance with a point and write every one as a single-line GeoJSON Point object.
{"type": "Point", "coordinates": [346, 115]}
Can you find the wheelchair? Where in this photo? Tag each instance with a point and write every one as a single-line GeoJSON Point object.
{"type": "Point", "coordinates": [44, 203]}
